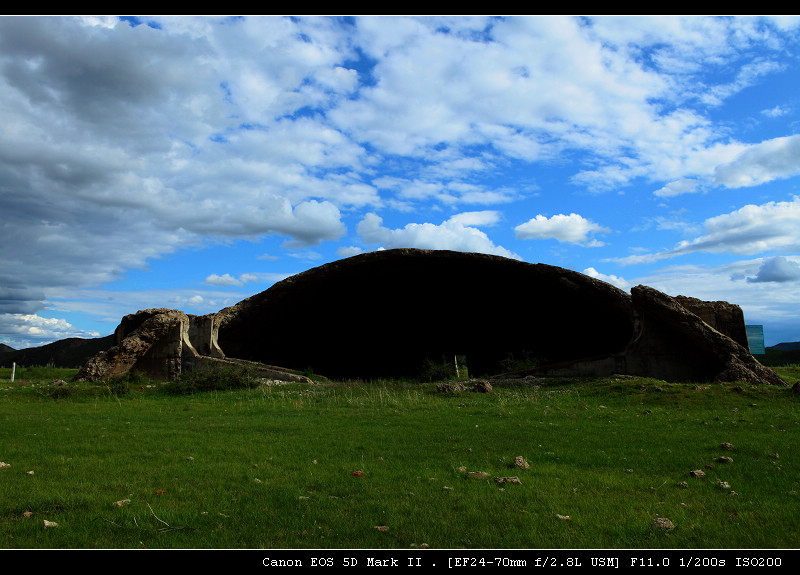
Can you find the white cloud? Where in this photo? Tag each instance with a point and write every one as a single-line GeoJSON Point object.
{"type": "Point", "coordinates": [26, 330]}
{"type": "Point", "coordinates": [764, 162]}
{"type": "Point", "coordinates": [223, 280]}
{"type": "Point", "coordinates": [348, 251]}
{"type": "Point", "coordinates": [572, 228]}
{"type": "Point", "coordinates": [678, 187]}
{"type": "Point", "coordinates": [778, 269]}
{"type": "Point", "coordinates": [617, 281]}
{"type": "Point", "coordinates": [775, 112]}
{"type": "Point", "coordinates": [481, 218]}
{"type": "Point", "coordinates": [750, 230]}
{"type": "Point", "coordinates": [449, 235]}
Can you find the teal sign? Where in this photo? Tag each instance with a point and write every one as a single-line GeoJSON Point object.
{"type": "Point", "coordinates": [755, 339]}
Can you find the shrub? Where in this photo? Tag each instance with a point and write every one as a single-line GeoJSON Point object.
{"type": "Point", "coordinates": [213, 378]}
{"type": "Point", "coordinates": [521, 361]}
{"type": "Point", "coordinates": [121, 384]}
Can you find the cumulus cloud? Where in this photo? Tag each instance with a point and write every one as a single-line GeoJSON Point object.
{"type": "Point", "coordinates": [750, 230]}
{"type": "Point", "coordinates": [224, 280]}
{"type": "Point", "coordinates": [451, 234]}
{"type": "Point", "coordinates": [769, 160]}
{"type": "Point", "coordinates": [571, 228]}
{"type": "Point", "coordinates": [777, 269]}
{"type": "Point", "coordinates": [27, 330]}
{"type": "Point", "coordinates": [481, 218]}
{"type": "Point", "coordinates": [18, 300]}
{"type": "Point", "coordinates": [617, 281]}
{"type": "Point", "coordinates": [678, 187]}
{"type": "Point", "coordinates": [123, 143]}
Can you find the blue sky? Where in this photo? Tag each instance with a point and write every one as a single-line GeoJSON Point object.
{"type": "Point", "coordinates": [190, 162]}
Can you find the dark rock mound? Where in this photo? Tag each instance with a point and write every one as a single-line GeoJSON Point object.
{"type": "Point", "coordinates": [383, 314]}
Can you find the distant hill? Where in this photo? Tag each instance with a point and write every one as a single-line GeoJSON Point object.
{"type": "Point", "coordinates": [70, 352]}
{"type": "Point", "coordinates": [781, 354]}
{"type": "Point", "coordinates": [787, 346]}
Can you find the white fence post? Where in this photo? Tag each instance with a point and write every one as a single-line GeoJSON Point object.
{"type": "Point", "coordinates": [13, 369]}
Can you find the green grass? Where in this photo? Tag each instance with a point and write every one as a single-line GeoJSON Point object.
{"type": "Point", "coordinates": [272, 467]}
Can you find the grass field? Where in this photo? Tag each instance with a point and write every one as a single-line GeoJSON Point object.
{"type": "Point", "coordinates": [391, 465]}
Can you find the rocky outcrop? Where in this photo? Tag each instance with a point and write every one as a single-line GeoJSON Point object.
{"type": "Point", "coordinates": [388, 314]}
{"type": "Point", "coordinates": [162, 343]}
{"type": "Point", "coordinates": [674, 344]}
{"type": "Point", "coordinates": [385, 314]}
{"type": "Point", "coordinates": [721, 315]}
{"type": "Point", "coordinates": [151, 341]}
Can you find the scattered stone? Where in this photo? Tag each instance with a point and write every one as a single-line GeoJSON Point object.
{"type": "Point", "coordinates": [629, 471]}
{"type": "Point", "coordinates": [697, 473]}
{"type": "Point", "coordinates": [190, 458]}
{"type": "Point", "coordinates": [120, 503]}
{"type": "Point", "coordinates": [726, 445]}
{"type": "Point", "coordinates": [58, 382]}
{"type": "Point", "coordinates": [723, 484]}
{"type": "Point", "coordinates": [501, 480]}
{"type": "Point", "coordinates": [562, 517]}
{"type": "Point", "coordinates": [49, 524]}
{"type": "Point", "coordinates": [28, 514]}
{"type": "Point", "coordinates": [683, 484]}
{"type": "Point", "coordinates": [29, 472]}
{"type": "Point", "coordinates": [662, 523]}
{"type": "Point", "coordinates": [482, 387]}
{"type": "Point", "coordinates": [445, 488]}
{"type": "Point", "coordinates": [478, 475]}
{"type": "Point", "coordinates": [450, 387]}
{"type": "Point", "coordinates": [4, 465]}
{"type": "Point", "coordinates": [520, 463]}
{"type": "Point", "coordinates": [724, 459]}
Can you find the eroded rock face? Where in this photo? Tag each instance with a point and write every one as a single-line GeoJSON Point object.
{"type": "Point", "coordinates": [163, 343]}
{"type": "Point", "coordinates": [383, 314]}
{"type": "Point", "coordinates": [675, 344]}
{"type": "Point", "coordinates": [725, 317]}
{"type": "Point", "coordinates": [150, 341]}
